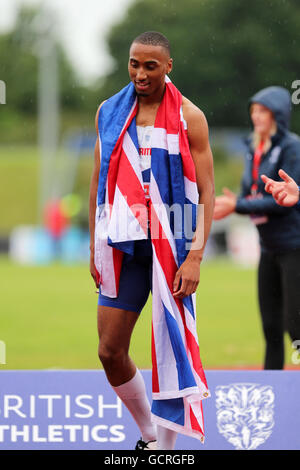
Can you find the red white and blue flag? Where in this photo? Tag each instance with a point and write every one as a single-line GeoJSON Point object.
{"type": "Point", "coordinates": [178, 379]}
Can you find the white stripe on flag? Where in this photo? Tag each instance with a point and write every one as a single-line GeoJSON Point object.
{"type": "Point", "coordinates": [182, 119]}
{"type": "Point", "coordinates": [187, 416]}
{"type": "Point", "coordinates": [173, 144]}
{"type": "Point", "coordinates": [133, 156]}
{"type": "Point", "coordinates": [159, 138]}
{"type": "Point", "coordinates": [191, 191]}
{"type": "Point", "coordinates": [162, 215]}
{"type": "Point", "coordinates": [123, 225]}
{"type": "Point", "coordinates": [104, 253]}
{"type": "Point", "coordinates": [100, 146]}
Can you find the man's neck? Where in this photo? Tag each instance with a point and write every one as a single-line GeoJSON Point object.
{"type": "Point", "coordinates": [152, 100]}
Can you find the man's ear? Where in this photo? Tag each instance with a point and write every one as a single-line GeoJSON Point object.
{"type": "Point", "coordinates": [169, 66]}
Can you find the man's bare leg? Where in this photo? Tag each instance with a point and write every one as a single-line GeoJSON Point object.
{"type": "Point", "coordinates": [115, 327]}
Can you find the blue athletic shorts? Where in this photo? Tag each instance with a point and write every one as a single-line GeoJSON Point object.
{"type": "Point", "coordinates": [135, 280]}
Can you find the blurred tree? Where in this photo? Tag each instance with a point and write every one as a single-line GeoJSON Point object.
{"type": "Point", "coordinates": [223, 51]}
{"type": "Point", "coordinates": [19, 66]}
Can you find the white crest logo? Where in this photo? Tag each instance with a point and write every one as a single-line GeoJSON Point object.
{"type": "Point", "coordinates": [245, 414]}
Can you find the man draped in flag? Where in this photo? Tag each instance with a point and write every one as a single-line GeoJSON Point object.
{"type": "Point", "coordinates": [153, 170]}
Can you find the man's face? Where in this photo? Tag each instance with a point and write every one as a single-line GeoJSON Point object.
{"type": "Point", "coordinates": [147, 67]}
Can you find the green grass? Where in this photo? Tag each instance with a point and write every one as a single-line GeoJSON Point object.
{"type": "Point", "coordinates": [48, 318]}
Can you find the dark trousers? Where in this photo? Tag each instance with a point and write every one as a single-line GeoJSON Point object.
{"type": "Point", "coordinates": [279, 300]}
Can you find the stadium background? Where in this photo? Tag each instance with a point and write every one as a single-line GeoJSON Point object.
{"type": "Point", "coordinates": [223, 51]}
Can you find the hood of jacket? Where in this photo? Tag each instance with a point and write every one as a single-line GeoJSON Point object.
{"type": "Point", "coordinates": [278, 100]}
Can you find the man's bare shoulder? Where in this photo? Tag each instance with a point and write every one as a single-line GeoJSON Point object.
{"type": "Point", "coordinates": [197, 126]}
{"type": "Point", "coordinates": [192, 114]}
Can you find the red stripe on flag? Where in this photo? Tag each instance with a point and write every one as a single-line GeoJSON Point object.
{"type": "Point", "coordinates": [117, 260]}
{"type": "Point", "coordinates": [129, 184]}
{"type": "Point", "coordinates": [115, 157]}
{"type": "Point", "coordinates": [155, 383]}
{"type": "Point", "coordinates": [168, 111]}
{"type": "Point", "coordinates": [195, 353]}
{"type": "Point", "coordinates": [194, 422]}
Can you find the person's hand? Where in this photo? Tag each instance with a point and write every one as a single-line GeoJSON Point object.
{"type": "Point", "coordinates": [94, 272]}
{"type": "Point", "coordinates": [286, 192]}
{"type": "Point", "coordinates": [186, 278]}
{"type": "Point", "coordinates": [225, 204]}
{"type": "Point", "coordinates": [269, 183]}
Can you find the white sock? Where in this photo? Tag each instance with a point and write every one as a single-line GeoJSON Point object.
{"type": "Point", "coordinates": [166, 438]}
{"type": "Point", "coordinates": [133, 395]}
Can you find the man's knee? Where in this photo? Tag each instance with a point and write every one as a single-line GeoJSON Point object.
{"type": "Point", "coordinates": [110, 356]}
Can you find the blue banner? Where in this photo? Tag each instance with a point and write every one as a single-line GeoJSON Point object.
{"type": "Point", "coordinates": [68, 410]}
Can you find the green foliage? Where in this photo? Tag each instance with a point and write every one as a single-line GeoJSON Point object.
{"type": "Point", "coordinates": [223, 50]}
{"type": "Point", "coordinates": [19, 64]}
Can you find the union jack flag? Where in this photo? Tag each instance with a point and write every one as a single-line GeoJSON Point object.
{"type": "Point", "coordinates": [178, 380]}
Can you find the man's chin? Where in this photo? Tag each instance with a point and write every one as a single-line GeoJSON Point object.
{"type": "Point", "coordinates": [142, 93]}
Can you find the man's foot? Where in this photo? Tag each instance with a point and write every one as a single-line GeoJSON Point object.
{"type": "Point", "coordinates": [142, 445]}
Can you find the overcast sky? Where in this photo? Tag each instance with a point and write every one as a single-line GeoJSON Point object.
{"type": "Point", "coordinates": [82, 26]}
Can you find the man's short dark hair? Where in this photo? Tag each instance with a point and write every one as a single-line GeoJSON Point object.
{"type": "Point", "coordinates": [153, 38]}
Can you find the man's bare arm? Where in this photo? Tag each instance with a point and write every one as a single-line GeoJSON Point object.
{"type": "Point", "coordinates": [203, 160]}
{"type": "Point", "coordinates": [93, 201]}
{"type": "Point", "coordinates": [189, 272]}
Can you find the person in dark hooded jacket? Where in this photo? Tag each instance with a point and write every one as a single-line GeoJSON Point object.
{"type": "Point", "coordinates": [271, 147]}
